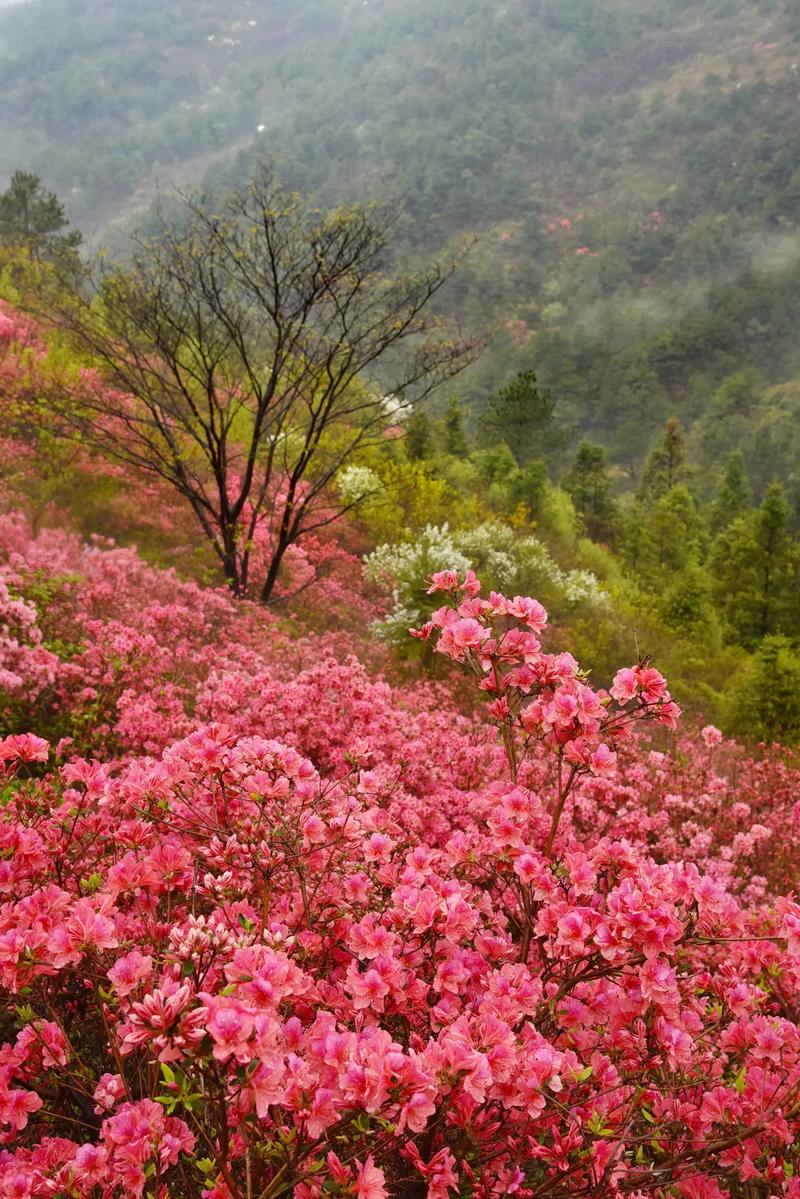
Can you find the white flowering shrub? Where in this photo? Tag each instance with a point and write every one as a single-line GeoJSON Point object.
{"type": "Point", "coordinates": [398, 570]}
{"type": "Point", "coordinates": [396, 410]}
{"type": "Point", "coordinates": [491, 550]}
{"type": "Point", "coordinates": [497, 554]}
{"type": "Point", "coordinates": [538, 571]}
{"type": "Point", "coordinates": [355, 483]}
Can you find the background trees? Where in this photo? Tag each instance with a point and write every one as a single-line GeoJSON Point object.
{"type": "Point", "coordinates": [519, 414]}
{"type": "Point", "coordinates": [588, 481]}
{"type": "Point", "coordinates": [33, 218]}
{"type": "Point", "coordinates": [755, 564]}
{"type": "Point", "coordinates": [665, 465]}
{"type": "Point", "coordinates": [522, 129]}
{"type": "Point", "coordinates": [247, 352]}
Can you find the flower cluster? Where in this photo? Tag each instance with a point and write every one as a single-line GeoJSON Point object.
{"type": "Point", "coordinates": [495, 549]}
{"type": "Point", "coordinates": [119, 652]}
{"type": "Point", "coordinates": [338, 939]}
{"type": "Point", "coordinates": [539, 698]}
{"type": "Point", "coordinates": [25, 664]}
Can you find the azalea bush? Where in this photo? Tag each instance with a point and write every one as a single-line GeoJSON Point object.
{"type": "Point", "coordinates": [353, 942]}
{"type": "Point", "coordinates": [99, 647]}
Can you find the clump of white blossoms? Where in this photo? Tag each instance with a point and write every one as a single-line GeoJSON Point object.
{"type": "Point", "coordinates": [494, 551]}
{"type": "Point", "coordinates": [357, 483]}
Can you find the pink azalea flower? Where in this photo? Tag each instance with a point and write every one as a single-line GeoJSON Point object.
{"type": "Point", "coordinates": [370, 1181]}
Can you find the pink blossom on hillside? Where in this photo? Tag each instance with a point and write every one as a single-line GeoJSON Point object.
{"type": "Point", "coordinates": [280, 923]}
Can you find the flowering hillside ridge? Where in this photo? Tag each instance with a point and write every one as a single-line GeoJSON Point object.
{"type": "Point", "coordinates": [229, 970]}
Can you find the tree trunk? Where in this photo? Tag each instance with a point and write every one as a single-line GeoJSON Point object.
{"type": "Point", "coordinates": [230, 564]}
{"type": "Point", "coordinates": [273, 572]}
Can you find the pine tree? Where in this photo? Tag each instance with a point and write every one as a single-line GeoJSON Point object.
{"type": "Point", "coordinates": [588, 481]}
{"type": "Point", "coordinates": [734, 495]}
{"type": "Point", "coordinates": [686, 604]}
{"type": "Point", "coordinates": [418, 441]}
{"type": "Point", "coordinates": [765, 704]}
{"type": "Point", "coordinates": [33, 218]}
{"type": "Point", "coordinates": [527, 485]}
{"type": "Point", "coordinates": [665, 465]}
{"type": "Point", "coordinates": [754, 565]}
{"type": "Point", "coordinates": [455, 439]}
{"type": "Point", "coordinates": [672, 534]}
{"type": "Point", "coordinates": [521, 416]}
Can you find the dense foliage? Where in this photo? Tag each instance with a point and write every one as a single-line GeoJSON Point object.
{"type": "Point", "coordinates": [707, 580]}
{"type": "Point", "coordinates": [275, 923]}
{"type": "Point", "coordinates": [417, 960]}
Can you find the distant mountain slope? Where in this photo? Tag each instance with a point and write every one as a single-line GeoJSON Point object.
{"type": "Point", "coordinates": [96, 94]}
{"type": "Point", "coordinates": [631, 167]}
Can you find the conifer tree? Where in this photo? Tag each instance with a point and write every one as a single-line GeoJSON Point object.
{"type": "Point", "coordinates": [527, 485]}
{"type": "Point", "coordinates": [455, 439]}
{"type": "Point", "coordinates": [686, 604]}
{"type": "Point", "coordinates": [754, 565]}
{"type": "Point", "coordinates": [588, 481]}
{"type": "Point", "coordinates": [33, 218]}
{"type": "Point", "coordinates": [764, 705]}
{"type": "Point", "coordinates": [672, 533]}
{"type": "Point", "coordinates": [418, 440]}
{"type": "Point", "coordinates": [665, 465]}
{"type": "Point", "coordinates": [734, 495]}
{"type": "Point", "coordinates": [520, 415]}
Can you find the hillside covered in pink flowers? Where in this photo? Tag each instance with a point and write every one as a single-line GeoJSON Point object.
{"type": "Point", "coordinates": [293, 906]}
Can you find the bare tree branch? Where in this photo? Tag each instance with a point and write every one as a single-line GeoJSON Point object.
{"type": "Point", "coordinates": [246, 355]}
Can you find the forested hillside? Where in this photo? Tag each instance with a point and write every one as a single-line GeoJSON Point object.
{"type": "Point", "coordinates": [627, 177]}
{"type": "Point", "coordinates": [630, 168]}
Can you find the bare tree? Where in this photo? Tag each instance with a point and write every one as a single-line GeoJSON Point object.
{"type": "Point", "coordinates": [247, 352]}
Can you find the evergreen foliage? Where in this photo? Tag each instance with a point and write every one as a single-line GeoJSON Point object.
{"type": "Point", "coordinates": [521, 416]}
{"type": "Point", "coordinates": [589, 483]}
{"type": "Point", "coordinates": [33, 219]}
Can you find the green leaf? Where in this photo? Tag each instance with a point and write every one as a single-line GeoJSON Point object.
{"type": "Point", "coordinates": [597, 1128]}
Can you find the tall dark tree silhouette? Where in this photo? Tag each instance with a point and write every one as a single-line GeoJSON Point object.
{"type": "Point", "coordinates": [734, 495]}
{"type": "Point", "coordinates": [249, 351]}
{"type": "Point", "coordinates": [755, 567]}
{"type": "Point", "coordinates": [665, 465]}
{"type": "Point", "coordinates": [588, 481]}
